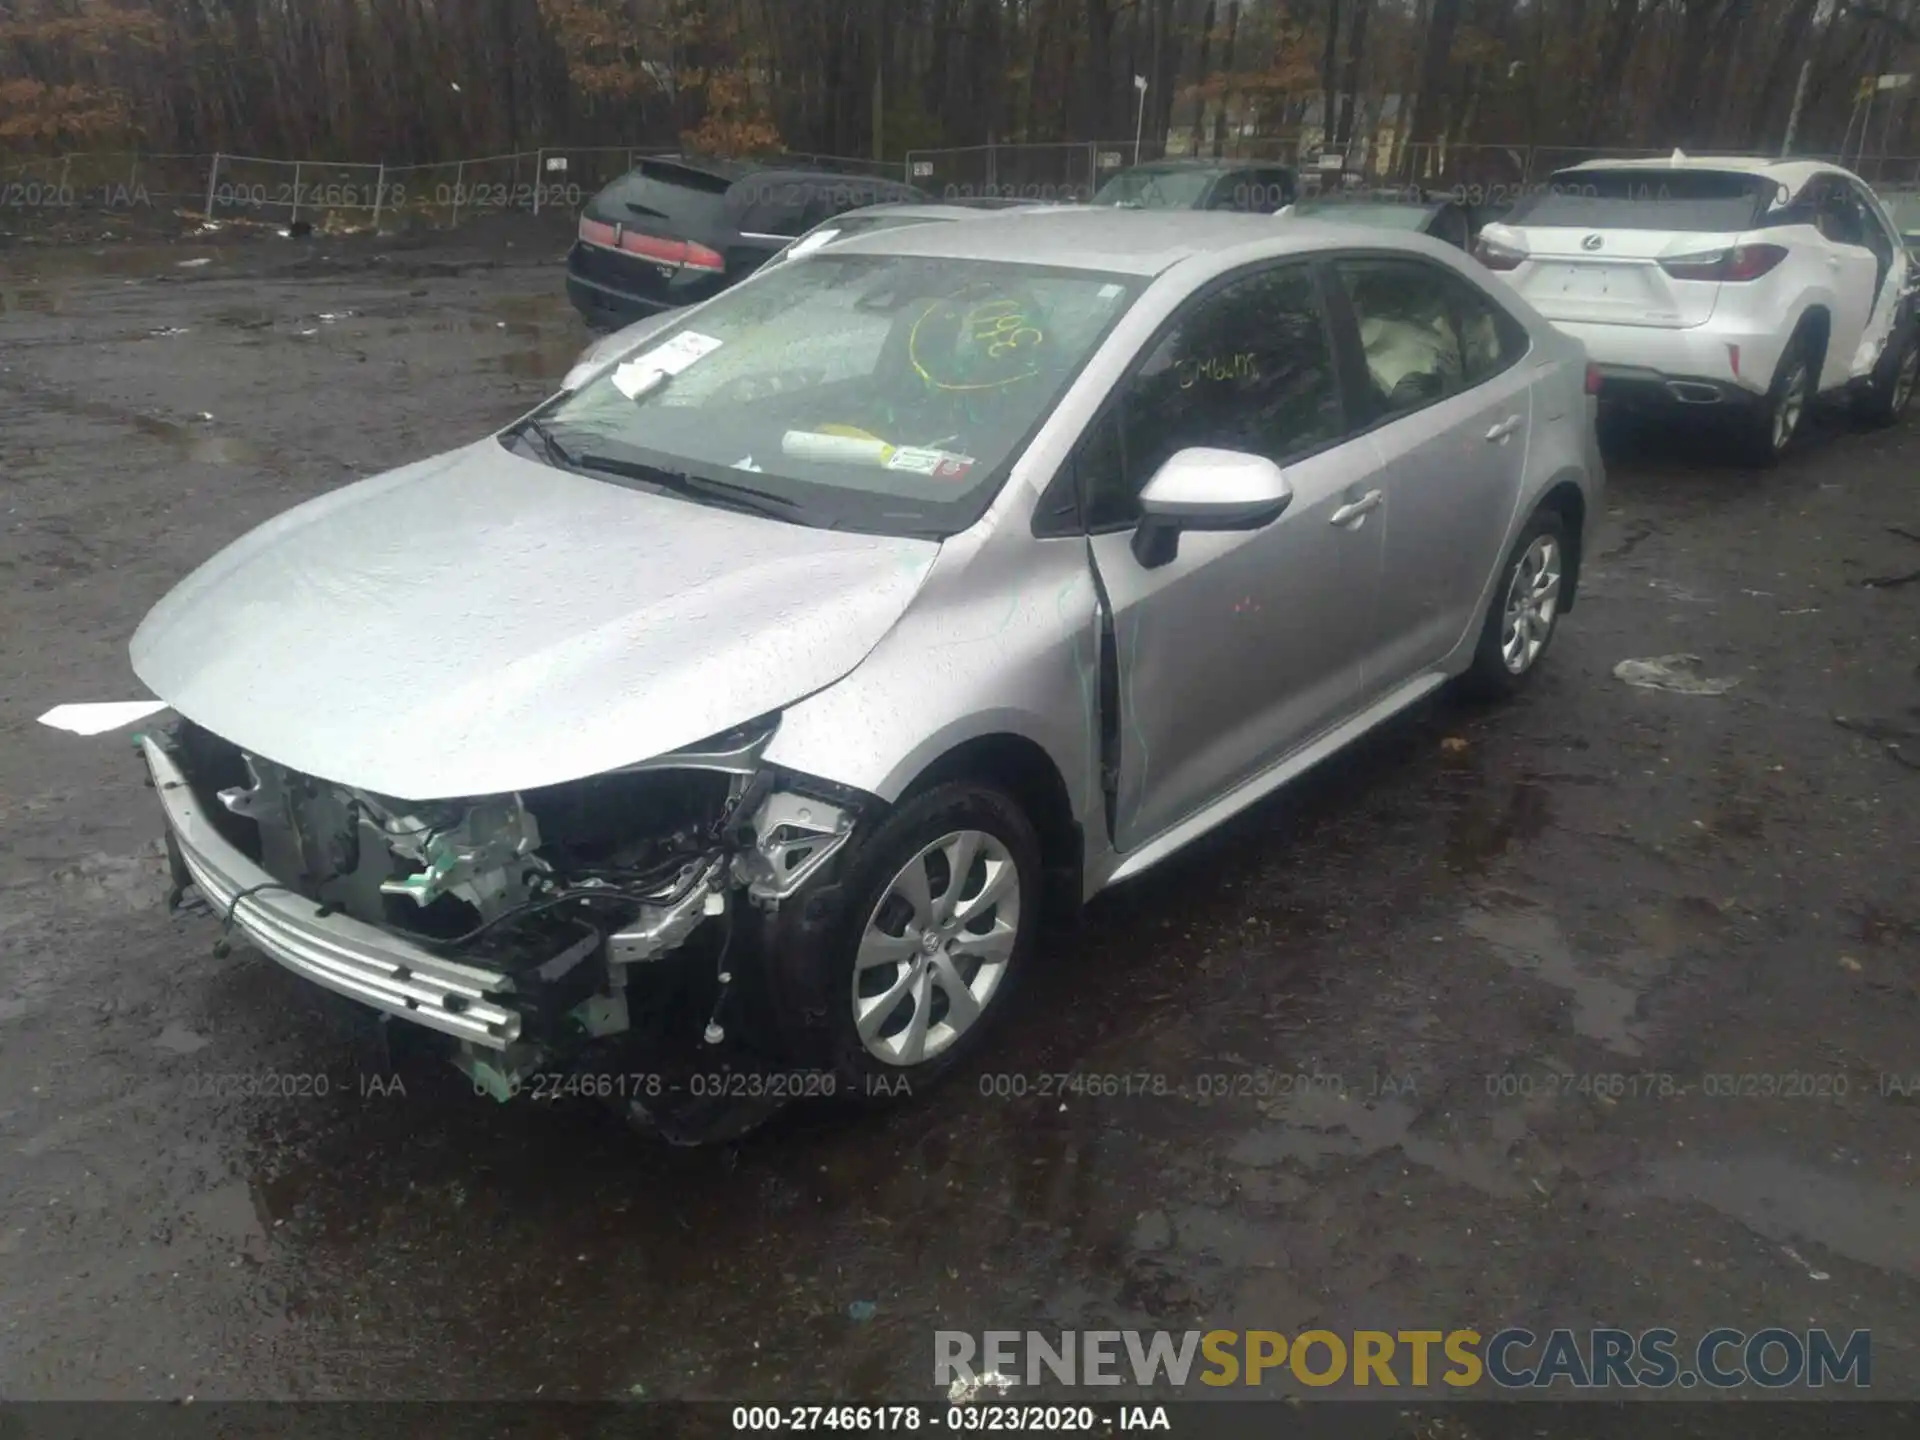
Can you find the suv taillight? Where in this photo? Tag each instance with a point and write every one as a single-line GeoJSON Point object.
{"type": "Point", "coordinates": [1740, 262]}
{"type": "Point", "coordinates": [1593, 379]}
{"type": "Point", "coordinates": [597, 232]}
{"type": "Point", "coordinates": [682, 253]}
{"type": "Point", "coordinates": [1495, 256]}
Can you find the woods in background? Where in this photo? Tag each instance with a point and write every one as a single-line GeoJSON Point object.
{"type": "Point", "coordinates": [419, 79]}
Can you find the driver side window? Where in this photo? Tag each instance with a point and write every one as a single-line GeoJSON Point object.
{"type": "Point", "coordinates": [1246, 367]}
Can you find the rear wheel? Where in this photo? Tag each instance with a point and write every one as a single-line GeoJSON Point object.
{"type": "Point", "coordinates": [1525, 611]}
{"type": "Point", "coordinates": [1774, 423]}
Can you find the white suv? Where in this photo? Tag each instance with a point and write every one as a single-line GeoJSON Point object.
{"type": "Point", "coordinates": [1750, 286]}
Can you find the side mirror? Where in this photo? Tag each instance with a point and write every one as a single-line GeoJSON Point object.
{"type": "Point", "coordinates": [1204, 489]}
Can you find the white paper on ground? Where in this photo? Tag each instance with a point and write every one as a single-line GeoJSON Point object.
{"type": "Point", "coordinates": [99, 718]}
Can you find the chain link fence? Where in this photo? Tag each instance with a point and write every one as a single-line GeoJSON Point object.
{"type": "Point", "coordinates": [330, 195]}
{"type": "Point", "coordinates": [225, 188]}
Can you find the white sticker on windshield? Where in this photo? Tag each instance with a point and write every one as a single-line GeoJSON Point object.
{"type": "Point", "coordinates": [1107, 292]}
{"type": "Point", "coordinates": [644, 371]}
{"type": "Point", "coordinates": [634, 379]}
{"type": "Point", "coordinates": [679, 352]}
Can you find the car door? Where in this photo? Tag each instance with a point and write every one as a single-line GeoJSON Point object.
{"type": "Point", "coordinates": [1245, 645]}
{"type": "Point", "coordinates": [1450, 412]}
{"type": "Point", "coordinates": [1883, 239]}
{"type": "Point", "coordinates": [1852, 271]}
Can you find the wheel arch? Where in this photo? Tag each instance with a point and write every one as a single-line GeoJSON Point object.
{"type": "Point", "coordinates": [1567, 500]}
{"type": "Point", "coordinates": [1022, 767]}
{"type": "Point", "coordinates": [1815, 324]}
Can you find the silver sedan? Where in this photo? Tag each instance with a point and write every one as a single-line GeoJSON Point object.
{"type": "Point", "coordinates": [761, 697]}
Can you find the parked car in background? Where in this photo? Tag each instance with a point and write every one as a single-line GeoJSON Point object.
{"type": "Point", "coordinates": [1200, 185]}
{"type": "Point", "coordinates": [863, 221]}
{"type": "Point", "coordinates": [1743, 287]}
{"type": "Point", "coordinates": [676, 230]}
{"type": "Point", "coordinates": [1444, 218]}
{"type": "Point", "coordinates": [608, 741]}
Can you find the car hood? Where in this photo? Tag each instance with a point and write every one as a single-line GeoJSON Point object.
{"type": "Point", "coordinates": [482, 623]}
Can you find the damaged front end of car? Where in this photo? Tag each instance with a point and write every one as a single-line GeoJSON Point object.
{"type": "Point", "coordinates": [594, 917]}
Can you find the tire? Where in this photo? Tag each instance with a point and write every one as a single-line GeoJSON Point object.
{"type": "Point", "coordinates": [1895, 378]}
{"type": "Point", "coordinates": [872, 1051]}
{"type": "Point", "coordinates": [1500, 666]}
{"type": "Point", "coordinates": [1775, 422]}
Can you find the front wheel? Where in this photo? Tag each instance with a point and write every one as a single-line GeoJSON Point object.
{"type": "Point", "coordinates": [1525, 611]}
{"type": "Point", "coordinates": [942, 906]}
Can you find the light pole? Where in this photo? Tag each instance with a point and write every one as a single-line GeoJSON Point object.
{"type": "Point", "coordinates": [1139, 114]}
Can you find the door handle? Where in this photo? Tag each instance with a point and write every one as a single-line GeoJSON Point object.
{"type": "Point", "coordinates": [1505, 428]}
{"type": "Point", "coordinates": [1358, 510]}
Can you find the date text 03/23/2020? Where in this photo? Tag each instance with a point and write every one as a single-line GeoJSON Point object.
{"type": "Point", "coordinates": [956, 1419]}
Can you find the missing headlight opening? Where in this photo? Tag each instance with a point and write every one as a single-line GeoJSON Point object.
{"type": "Point", "coordinates": [576, 915]}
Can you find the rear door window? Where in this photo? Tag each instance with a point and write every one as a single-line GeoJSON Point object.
{"type": "Point", "coordinates": [1716, 201]}
{"type": "Point", "coordinates": [1408, 332]}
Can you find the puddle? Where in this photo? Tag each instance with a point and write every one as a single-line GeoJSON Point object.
{"type": "Point", "coordinates": [548, 359]}
{"type": "Point", "coordinates": [1482, 831]}
{"type": "Point", "coordinates": [1788, 1203]}
{"type": "Point", "coordinates": [198, 441]}
{"type": "Point", "coordinates": [1529, 939]}
{"type": "Point", "coordinates": [1315, 1125]}
{"type": "Point", "coordinates": [31, 299]}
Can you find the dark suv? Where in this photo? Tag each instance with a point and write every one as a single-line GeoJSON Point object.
{"type": "Point", "coordinates": [677, 229]}
{"type": "Point", "coordinates": [1200, 185]}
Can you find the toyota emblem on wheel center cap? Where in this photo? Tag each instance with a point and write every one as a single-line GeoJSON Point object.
{"type": "Point", "coordinates": [1592, 242]}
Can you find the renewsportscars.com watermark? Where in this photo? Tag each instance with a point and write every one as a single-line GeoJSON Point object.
{"type": "Point", "coordinates": [1512, 1359]}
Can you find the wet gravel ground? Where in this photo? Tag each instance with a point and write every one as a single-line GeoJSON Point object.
{"type": "Point", "coordinates": [1387, 1009]}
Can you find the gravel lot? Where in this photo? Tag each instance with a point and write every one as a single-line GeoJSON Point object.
{"type": "Point", "coordinates": [1447, 934]}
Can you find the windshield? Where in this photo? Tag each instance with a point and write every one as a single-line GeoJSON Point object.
{"type": "Point", "coordinates": [1716, 201]}
{"type": "Point", "coordinates": [1351, 212]}
{"type": "Point", "coordinates": [1156, 189]}
{"type": "Point", "coordinates": [880, 393]}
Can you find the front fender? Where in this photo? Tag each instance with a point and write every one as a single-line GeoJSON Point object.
{"type": "Point", "coordinates": [992, 644]}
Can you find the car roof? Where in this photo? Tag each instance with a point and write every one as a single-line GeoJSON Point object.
{"type": "Point", "coordinates": [1126, 242]}
{"type": "Point", "coordinates": [1791, 173]}
{"type": "Point", "coordinates": [916, 210]}
{"type": "Point", "coordinates": [1338, 201]}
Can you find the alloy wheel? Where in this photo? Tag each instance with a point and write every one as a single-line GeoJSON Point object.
{"type": "Point", "coordinates": [1533, 600]}
{"type": "Point", "coordinates": [1904, 377]}
{"type": "Point", "coordinates": [936, 948]}
{"type": "Point", "coordinates": [1788, 408]}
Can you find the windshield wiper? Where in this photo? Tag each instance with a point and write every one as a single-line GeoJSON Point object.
{"type": "Point", "coordinates": [694, 487]}
{"type": "Point", "coordinates": [556, 453]}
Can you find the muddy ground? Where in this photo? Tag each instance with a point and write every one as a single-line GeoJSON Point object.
{"type": "Point", "coordinates": [1593, 881]}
